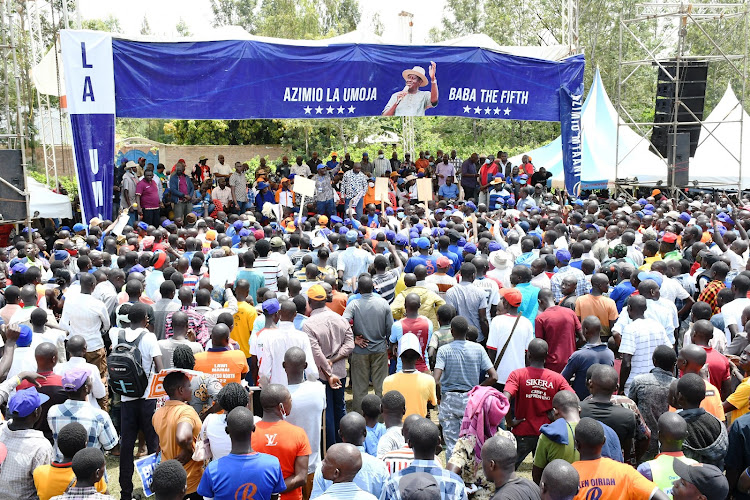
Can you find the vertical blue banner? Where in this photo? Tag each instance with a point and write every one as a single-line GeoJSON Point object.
{"type": "Point", "coordinates": [90, 94]}
{"type": "Point", "coordinates": [93, 145]}
{"type": "Point", "coordinates": [571, 104]}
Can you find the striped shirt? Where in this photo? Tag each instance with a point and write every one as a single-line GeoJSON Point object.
{"type": "Point", "coordinates": [346, 491]}
{"type": "Point", "coordinates": [270, 270]}
{"type": "Point", "coordinates": [98, 425]}
{"type": "Point", "coordinates": [640, 339]}
{"type": "Point", "coordinates": [385, 284]}
{"type": "Point", "coordinates": [451, 485]}
{"type": "Point", "coordinates": [398, 460]}
{"type": "Point", "coordinates": [461, 362]}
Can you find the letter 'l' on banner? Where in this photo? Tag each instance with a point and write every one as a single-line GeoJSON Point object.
{"type": "Point", "coordinates": [90, 92]}
{"type": "Point", "coordinates": [571, 103]}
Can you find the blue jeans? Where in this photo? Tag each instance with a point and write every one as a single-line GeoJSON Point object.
{"type": "Point", "coordinates": [327, 208]}
{"type": "Point", "coordinates": [357, 209]}
{"type": "Point", "coordinates": [335, 411]}
{"type": "Point", "coordinates": [242, 206]}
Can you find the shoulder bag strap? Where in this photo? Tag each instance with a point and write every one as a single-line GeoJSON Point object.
{"type": "Point", "coordinates": [507, 342]}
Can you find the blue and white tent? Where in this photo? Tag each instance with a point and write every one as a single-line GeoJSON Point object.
{"type": "Point", "coordinates": [599, 135]}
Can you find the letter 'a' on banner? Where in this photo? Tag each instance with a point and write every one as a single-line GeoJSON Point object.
{"type": "Point", "coordinates": [571, 103]}
{"type": "Point", "coordinates": [90, 91]}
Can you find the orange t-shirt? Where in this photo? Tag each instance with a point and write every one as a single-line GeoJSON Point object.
{"type": "Point", "coordinates": [165, 421]}
{"type": "Point", "coordinates": [285, 442]}
{"type": "Point", "coordinates": [338, 305]}
{"type": "Point", "coordinates": [602, 307]}
{"type": "Point", "coordinates": [226, 366]}
{"type": "Point", "coordinates": [711, 403]}
{"type": "Point", "coordinates": [605, 479]}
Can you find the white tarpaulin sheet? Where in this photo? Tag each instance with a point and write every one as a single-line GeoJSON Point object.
{"type": "Point", "coordinates": [47, 203]}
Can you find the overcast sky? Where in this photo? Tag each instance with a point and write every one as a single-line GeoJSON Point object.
{"type": "Point", "coordinates": [163, 15]}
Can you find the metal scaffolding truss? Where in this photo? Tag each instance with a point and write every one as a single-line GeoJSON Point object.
{"type": "Point", "coordinates": [35, 10]}
{"type": "Point", "coordinates": [656, 35]}
{"type": "Point", "coordinates": [12, 121]}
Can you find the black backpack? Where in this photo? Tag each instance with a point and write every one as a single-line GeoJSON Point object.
{"type": "Point", "coordinates": [124, 366]}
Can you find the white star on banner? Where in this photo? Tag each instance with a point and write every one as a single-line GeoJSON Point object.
{"type": "Point", "coordinates": [318, 110]}
{"type": "Point", "coordinates": [467, 109]}
{"type": "Point", "coordinates": [487, 111]}
{"type": "Point", "coordinates": [506, 111]}
{"type": "Point", "coordinates": [329, 110]}
{"type": "Point", "coordinates": [340, 109]}
{"type": "Point", "coordinates": [477, 110]}
{"type": "Point", "coordinates": [351, 109]}
{"type": "Point", "coordinates": [497, 111]}
{"type": "Point", "coordinates": [307, 109]}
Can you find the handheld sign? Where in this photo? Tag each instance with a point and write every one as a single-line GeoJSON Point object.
{"type": "Point", "coordinates": [424, 189]}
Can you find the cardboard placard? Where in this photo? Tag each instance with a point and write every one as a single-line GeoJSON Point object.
{"type": "Point", "coordinates": [304, 186]}
{"type": "Point", "coordinates": [223, 270]}
{"type": "Point", "coordinates": [145, 467]}
{"type": "Point", "coordinates": [155, 388]}
{"type": "Point", "coordinates": [424, 189]}
{"type": "Point", "coordinates": [381, 189]}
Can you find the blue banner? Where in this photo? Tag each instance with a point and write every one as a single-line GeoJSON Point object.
{"type": "Point", "coordinates": [249, 79]}
{"type": "Point", "coordinates": [571, 103]}
{"type": "Point", "coordinates": [94, 145]}
{"type": "Point", "coordinates": [145, 467]}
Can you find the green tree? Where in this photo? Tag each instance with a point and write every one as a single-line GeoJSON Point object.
{"type": "Point", "coordinates": [145, 28]}
{"type": "Point", "coordinates": [235, 13]}
{"type": "Point", "coordinates": [377, 24]}
{"type": "Point", "coordinates": [182, 28]}
{"type": "Point", "coordinates": [110, 24]}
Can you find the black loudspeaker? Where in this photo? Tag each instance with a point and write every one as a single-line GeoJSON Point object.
{"type": "Point", "coordinates": [11, 170]}
{"type": "Point", "coordinates": [692, 94]}
{"type": "Point", "coordinates": [679, 159]}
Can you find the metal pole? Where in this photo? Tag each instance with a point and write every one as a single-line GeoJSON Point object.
{"type": "Point", "coordinates": [619, 103]}
{"type": "Point", "coordinates": [742, 101]}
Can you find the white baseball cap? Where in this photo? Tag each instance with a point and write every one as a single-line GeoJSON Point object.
{"type": "Point", "coordinates": [409, 341]}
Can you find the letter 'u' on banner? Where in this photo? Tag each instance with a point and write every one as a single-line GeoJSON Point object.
{"type": "Point", "coordinates": [90, 92]}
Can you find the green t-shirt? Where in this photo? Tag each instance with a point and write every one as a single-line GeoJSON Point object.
{"type": "Point", "coordinates": [547, 450]}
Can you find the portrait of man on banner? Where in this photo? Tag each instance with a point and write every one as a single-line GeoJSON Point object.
{"type": "Point", "coordinates": [411, 101]}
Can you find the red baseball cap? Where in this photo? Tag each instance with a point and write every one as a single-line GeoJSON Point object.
{"type": "Point", "coordinates": [512, 295]}
{"type": "Point", "coordinates": [443, 262]}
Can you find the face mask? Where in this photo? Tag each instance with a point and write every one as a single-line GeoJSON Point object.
{"type": "Point", "coordinates": [486, 162]}
{"type": "Point", "coordinates": [400, 215]}
{"type": "Point", "coordinates": [372, 184]}
{"type": "Point", "coordinates": [381, 156]}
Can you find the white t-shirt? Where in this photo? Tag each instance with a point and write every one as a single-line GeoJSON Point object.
{"type": "Point", "coordinates": [149, 348]}
{"type": "Point", "coordinates": [308, 403]}
{"type": "Point", "coordinates": [491, 291]}
{"type": "Point", "coordinates": [214, 427]}
{"type": "Point", "coordinates": [515, 354]}
{"type": "Point", "coordinates": [222, 169]}
{"type": "Point", "coordinates": [671, 290]}
{"type": "Point", "coordinates": [98, 390]}
{"type": "Point", "coordinates": [733, 315]}
{"type": "Point", "coordinates": [640, 339]}
{"type": "Point", "coordinates": [271, 369]}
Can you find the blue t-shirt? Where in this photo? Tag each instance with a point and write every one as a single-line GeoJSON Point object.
{"type": "Point", "coordinates": [256, 476]}
{"type": "Point", "coordinates": [581, 360]}
{"type": "Point", "coordinates": [373, 436]}
{"type": "Point", "coordinates": [620, 294]}
{"type": "Point", "coordinates": [449, 192]}
{"type": "Point", "coordinates": [429, 261]}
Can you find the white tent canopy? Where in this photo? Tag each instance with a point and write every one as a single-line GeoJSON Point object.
{"type": "Point", "coordinates": [46, 204]}
{"type": "Point", "coordinates": [718, 154]}
{"type": "Point", "coordinates": [599, 121]}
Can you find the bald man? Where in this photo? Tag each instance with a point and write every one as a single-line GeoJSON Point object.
{"type": "Point", "coordinates": [287, 442]}
{"type": "Point", "coordinates": [672, 433]}
{"type": "Point", "coordinates": [498, 463]}
{"type": "Point", "coordinates": [559, 481]}
{"type": "Point", "coordinates": [340, 466]}
{"type": "Point", "coordinates": [692, 359]}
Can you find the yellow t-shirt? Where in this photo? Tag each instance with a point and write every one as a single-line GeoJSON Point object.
{"type": "Point", "coordinates": [739, 399]}
{"type": "Point", "coordinates": [605, 479]}
{"type": "Point", "coordinates": [243, 326]}
{"type": "Point", "coordinates": [165, 422]}
{"type": "Point", "coordinates": [53, 479]}
{"type": "Point", "coordinates": [417, 389]}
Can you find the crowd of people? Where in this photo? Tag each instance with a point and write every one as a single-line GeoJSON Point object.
{"type": "Point", "coordinates": [607, 337]}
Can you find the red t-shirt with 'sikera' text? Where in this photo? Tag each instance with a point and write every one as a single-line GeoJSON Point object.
{"type": "Point", "coordinates": [533, 390]}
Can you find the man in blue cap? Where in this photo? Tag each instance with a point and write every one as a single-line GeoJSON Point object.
{"type": "Point", "coordinates": [422, 258]}
{"type": "Point", "coordinates": [264, 195]}
{"type": "Point", "coordinates": [26, 447]}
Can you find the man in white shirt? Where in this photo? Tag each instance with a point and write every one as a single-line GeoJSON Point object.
{"type": "Point", "coordinates": [76, 348]}
{"type": "Point", "coordinates": [107, 291]}
{"type": "Point", "coordinates": [272, 369]}
{"type": "Point", "coordinates": [221, 169]}
{"type": "Point", "coordinates": [87, 316]}
{"type": "Point", "coordinates": [308, 404]}
{"type": "Point", "coordinates": [500, 332]}
{"type": "Point", "coordinates": [732, 311]}
{"type": "Point", "coordinates": [136, 413]}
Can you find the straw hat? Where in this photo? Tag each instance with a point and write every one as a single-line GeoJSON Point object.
{"type": "Point", "coordinates": [419, 72]}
